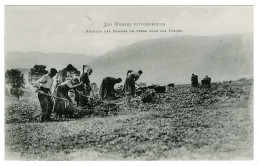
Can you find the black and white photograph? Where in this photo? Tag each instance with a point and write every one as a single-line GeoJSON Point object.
{"type": "Point", "coordinates": [129, 83]}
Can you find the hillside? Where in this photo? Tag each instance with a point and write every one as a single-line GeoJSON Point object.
{"type": "Point", "coordinates": [174, 59]}
{"type": "Point", "coordinates": [183, 124]}
{"type": "Point", "coordinates": [27, 60]}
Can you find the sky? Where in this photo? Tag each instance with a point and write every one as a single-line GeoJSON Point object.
{"type": "Point", "coordinates": [63, 28]}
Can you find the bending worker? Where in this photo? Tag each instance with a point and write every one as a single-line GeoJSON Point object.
{"type": "Point", "coordinates": [107, 90]}
{"type": "Point", "coordinates": [62, 106]}
{"type": "Point", "coordinates": [130, 82]}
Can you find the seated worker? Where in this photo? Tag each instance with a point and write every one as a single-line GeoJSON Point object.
{"type": "Point", "coordinates": [107, 90]}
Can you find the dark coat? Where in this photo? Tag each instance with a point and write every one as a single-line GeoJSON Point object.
{"type": "Point", "coordinates": [85, 87]}
{"type": "Point", "coordinates": [107, 90]}
{"type": "Point", "coordinates": [61, 106]}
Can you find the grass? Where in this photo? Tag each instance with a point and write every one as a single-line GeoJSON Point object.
{"type": "Point", "coordinates": [183, 124]}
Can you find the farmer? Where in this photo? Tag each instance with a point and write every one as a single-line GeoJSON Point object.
{"type": "Point", "coordinates": [62, 104]}
{"type": "Point", "coordinates": [44, 85]}
{"type": "Point", "coordinates": [69, 72]}
{"type": "Point", "coordinates": [107, 90]}
{"type": "Point", "coordinates": [194, 80]}
{"type": "Point", "coordinates": [85, 87]}
{"type": "Point", "coordinates": [206, 82]}
{"type": "Point", "coordinates": [128, 72]}
{"type": "Point", "coordinates": [130, 82]}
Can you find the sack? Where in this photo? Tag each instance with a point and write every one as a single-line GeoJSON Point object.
{"type": "Point", "coordinates": [171, 85]}
{"type": "Point", "coordinates": [160, 89]}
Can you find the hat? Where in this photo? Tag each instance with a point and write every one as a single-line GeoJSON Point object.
{"type": "Point", "coordinates": [118, 80]}
{"type": "Point", "coordinates": [53, 70]}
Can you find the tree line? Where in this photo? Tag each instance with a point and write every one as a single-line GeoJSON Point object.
{"type": "Point", "coordinates": [15, 79]}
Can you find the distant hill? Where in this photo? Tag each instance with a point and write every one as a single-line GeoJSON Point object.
{"type": "Point", "coordinates": [27, 60]}
{"type": "Point", "coordinates": [174, 59]}
{"type": "Point", "coordinates": [163, 61]}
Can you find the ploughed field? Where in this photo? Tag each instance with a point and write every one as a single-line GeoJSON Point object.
{"type": "Point", "coordinates": [183, 124]}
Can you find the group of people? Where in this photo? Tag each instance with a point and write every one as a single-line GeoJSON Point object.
{"type": "Point", "coordinates": [206, 82]}
{"type": "Point", "coordinates": [70, 81]}
{"type": "Point", "coordinates": [107, 90]}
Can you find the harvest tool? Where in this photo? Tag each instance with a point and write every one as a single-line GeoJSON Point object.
{"type": "Point", "coordinates": [53, 96]}
{"type": "Point", "coordinates": [142, 88]}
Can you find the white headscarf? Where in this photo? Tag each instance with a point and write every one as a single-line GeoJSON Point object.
{"type": "Point", "coordinates": [87, 69]}
{"type": "Point", "coordinates": [68, 80]}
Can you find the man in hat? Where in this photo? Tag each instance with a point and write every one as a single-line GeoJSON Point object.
{"type": "Point", "coordinates": [107, 90]}
{"type": "Point", "coordinates": [44, 85]}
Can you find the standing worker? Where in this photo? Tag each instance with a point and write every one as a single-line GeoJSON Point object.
{"type": "Point", "coordinates": [130, 82]}
{"type": "Point", "coordinates": [85, 87]}
{"type": "Point", "coordinates": [44, 85]}
{"type": "Point", "coordinates": [194, 81]}
{"type": "Point", "coordinates": [107, 90]}
{"type": "Point", "coordinates": [128, 72]}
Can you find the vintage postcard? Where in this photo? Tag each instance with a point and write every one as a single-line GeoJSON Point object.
{"type": "Point", "coordinates": [120, 83]}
